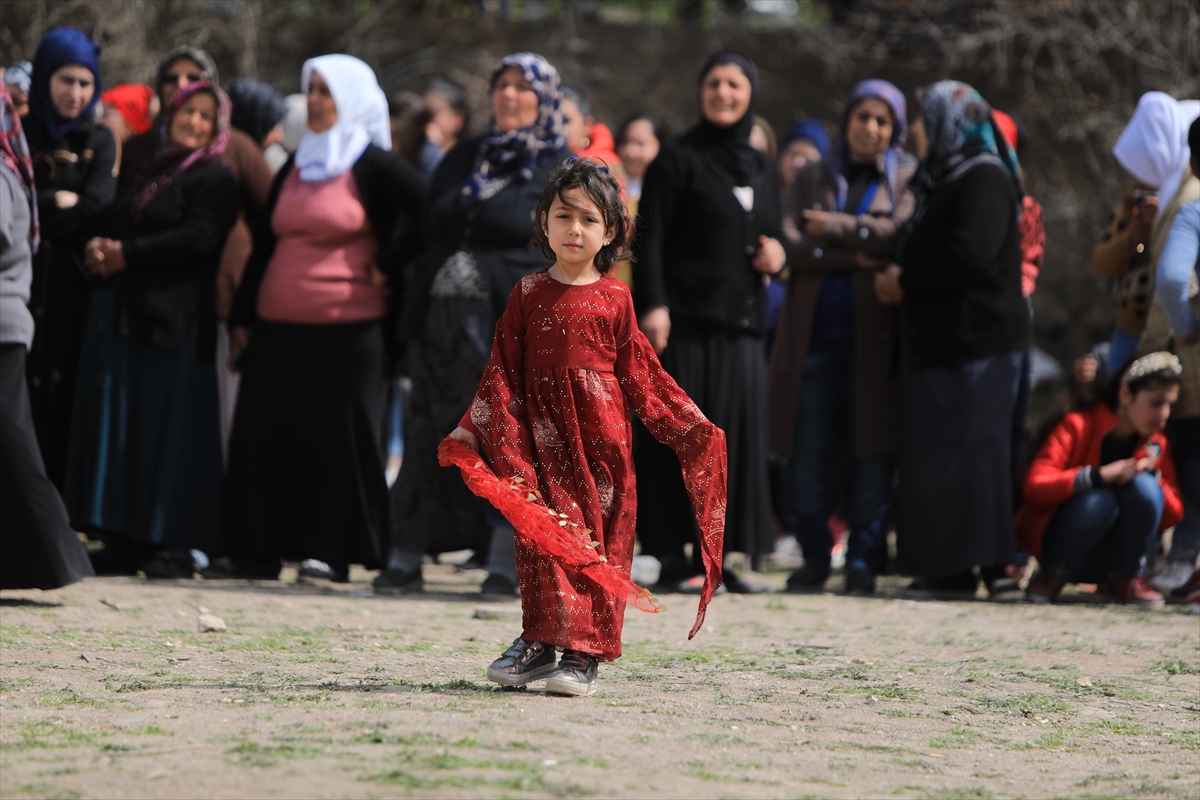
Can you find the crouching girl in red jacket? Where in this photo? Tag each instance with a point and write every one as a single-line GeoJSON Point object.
{"type": "Point", "coordinates": [1102, 485]}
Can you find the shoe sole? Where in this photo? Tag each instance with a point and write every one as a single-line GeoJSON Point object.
{"type": "Point", "coordinates": [571, 688]}
{"type": "Point", "coordinates": [508, 679]}
{"type": "Point", "coordinates": [408, 588]}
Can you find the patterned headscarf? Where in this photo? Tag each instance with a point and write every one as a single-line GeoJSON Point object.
{"type": "Point", "coordinates": [14, 155]}
{"type": "Point", "coordinates": [20, 75]}
{"type": "Point", "coordinates": [172, 160]}
{"type": "Point", "coordinates": [960, 129]}
{"type": "Point", "coordinates": [515, 154]}
{"type": "Point", "coordinates": [894, 98]}
{"type": "Point", "coordinates": [58, 48]}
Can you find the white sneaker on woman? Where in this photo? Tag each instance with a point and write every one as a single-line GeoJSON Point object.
{"type": "Point", "coordinates": [1172, 576]}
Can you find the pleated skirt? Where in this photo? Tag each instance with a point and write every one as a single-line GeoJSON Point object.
{"type": "Point", "coordinates": [145, 446]}
{"type": "Point", "coordinates": [726, 375]}
{"type": "Point", "coordinates": [954, 508]}
{"type": "Point", "coordinates": [306, 465]}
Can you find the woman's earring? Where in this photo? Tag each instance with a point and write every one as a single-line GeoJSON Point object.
{"type": "Point", "coordinates": [586, 141]}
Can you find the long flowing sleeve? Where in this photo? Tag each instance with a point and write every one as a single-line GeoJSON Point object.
{"type": "Point", "coordinates": [673, 419]}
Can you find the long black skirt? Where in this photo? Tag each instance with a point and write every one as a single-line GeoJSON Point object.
{"type": "Point", "coordinates": [726, 375]}
{"type": "Point", "coordinates": [306, 466]}
{"type": "Point", "coordinates": [954, 454]}
{"type": "Point", "coordinates": [38, 549]}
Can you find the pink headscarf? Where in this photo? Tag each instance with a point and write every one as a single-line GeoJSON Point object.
{"type": "Point", "coordinates": [172, 160]}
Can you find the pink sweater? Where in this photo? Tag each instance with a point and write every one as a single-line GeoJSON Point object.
{"type": "Point", "coordinates": [320, 272]}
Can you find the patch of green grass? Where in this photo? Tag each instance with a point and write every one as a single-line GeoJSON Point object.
{"type": "Point", "coordinates": [916, 764]}
{"type": "Point", "coordinates": [1189, 739]}
{"type": "Point", "coordinates": [1024, 703]}
{"type": "Point", "coordinates": [1174, 666]}
{"type": "Point", "coordinates": [253, 754]}
{"type": "Point", "coordinates": [968, 793]}
{"type": "Point", "coordinates": [1051, 740]}
{"type": "Point", "coordinates": [1119, 727]}
{"type": "Point", "coordinates": [11, 684]}
{"type": "Point", "coordinates": [47, 791]}
{"type": "Point", "coordinates": [892, 691]}
{"type": "Point", "coordinates": [68, 697]}
{"type": "Point", "coordinates": [719, 739]}
{"type": "Point", "coordinates": [49, 735]}
{"type": "Point", "coordinates": [956, 737]}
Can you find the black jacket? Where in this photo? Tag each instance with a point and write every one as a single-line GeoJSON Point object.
{"type": "Point", "coordinates": [172, 250]}
{"type": "Point", "coordinates": [497, 231]}
{"type": "Point", "coordinates": [85, 161]}
{"type": "Point", "coordinates": [392, 192]}
{"type": "Point", "coordinates": [961, 255]}
{"type": "Point", "coordinates": [694, 241]}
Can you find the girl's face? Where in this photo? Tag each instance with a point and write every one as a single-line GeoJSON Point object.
{"type": "Point", "coordinates": [869, 130]}
{"type": "Point", "coordinates": [71, 89]}
{"type": "Point", "coordinates": [795, 156]}
{"type": "Point", "coordinates": [195, 122]}
{"type": "Point", "coordinates": [725, 95]}
{"type": "Point", "coordinates": [1148, 410]}
{"type": "Point", "coordinates": [638, 148]}
{"type": "Point", "coordinates": [322, 110]}
{"type": "Point", "coordinates": [514, 102]}
{"type": "Point", "coordinates": [575, 228]}
{"type": "Point", "coordinates": [576, 127]}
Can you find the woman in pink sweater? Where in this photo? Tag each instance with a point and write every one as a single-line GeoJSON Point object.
{"type": "Point", "coordinates": [306, 477]}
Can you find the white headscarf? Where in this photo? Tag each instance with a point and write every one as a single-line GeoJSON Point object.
{"type": "Point", "coordinates": [362, 118]}
{"type": "Point", "coordinates": [1153, 147]}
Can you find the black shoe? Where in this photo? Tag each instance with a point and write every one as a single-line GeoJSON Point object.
{"type": "Point", "coordinates": [809, 579]}
{"type": "Point", "coordinates": [225, 568]}
{"type": "Point", "coordinates": [575, 676]}
{"type": "Point", "coordinates": [498, 584]}
{"type": "Point", "coordinates": [314, 569]}
{"type": "Point", "coordinates": [950, 587]}
{"type": "Point", "coordinates": [522, 663]}
{"type": "Point", "coordinates": [169, 565]}
{"type": "Point", "coordinates": [860, 580]}
{"type": "Point", "coordinates": [398, 581]}
{"type": "Point", "coordinates": [476, 561]}
{"type": "Point", "coordinates": [1000, 587]}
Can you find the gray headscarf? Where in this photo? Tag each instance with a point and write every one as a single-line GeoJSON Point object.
{"type": "Point", "coordinates": [195, 54]}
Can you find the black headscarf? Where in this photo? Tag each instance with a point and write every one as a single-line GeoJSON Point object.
{"type": "Point", "coordinates": [257, 107]}
{"type": "Point", "coordinates": [729, 148]}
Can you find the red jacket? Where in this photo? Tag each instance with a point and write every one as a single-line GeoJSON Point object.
{"type": "Point", "coordinates": [1073, 445]}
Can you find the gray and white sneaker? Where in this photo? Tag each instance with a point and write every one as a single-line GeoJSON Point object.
{"type": "Point", "coordinates": [522, 663]}
{"type": "Point", "coordinates": [1172, 576]}
{"type": "Point", "coordinates": [575, 676]}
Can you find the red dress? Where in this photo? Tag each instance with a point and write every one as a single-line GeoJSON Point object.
{"type": "Point", "coordinates": [552, 412]}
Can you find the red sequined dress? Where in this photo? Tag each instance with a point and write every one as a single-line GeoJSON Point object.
{"type": "Point", "coordinates": [552, 412]}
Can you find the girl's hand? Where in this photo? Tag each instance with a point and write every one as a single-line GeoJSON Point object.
{"type": "Point", "coordinates": [93, 257]}
{"type": "Point", "coordinates": [1119, 473]}
{"type": "Point", "coordinates": [770, 257]}
{"type": "Point", "coordinates": [465, 437]}
{"type": "Point", "coordinates": [887, 286]}
{"type": "Point", "coordinates": [656, 324]}
{"type": "Point", "coordinates": [813, 222]}
{"type": "Point", "coordinates": [870, 262]}
{"type": "Point", "coordinates": [65, 199]}
{"type": "Point", "coordinates": [104, 257]}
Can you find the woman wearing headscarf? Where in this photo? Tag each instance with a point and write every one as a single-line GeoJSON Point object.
{"type": "Point", "coordinates": [831, 387]}
{"type": "Point", "coordinates": [18, 77]}
{"type": "Point", "coordinates": [708, 231]}
{"type": "Point", "coordinates": [145, 463]}
{"type": "Point", "coordinates": [478, 231]}
{"type": "Point", "coordinates": [964, 324]}
{"type": "Point", "coordinates": [38, 548]}
{"type": "Point", "coordinates": [129, 110]}
{"type": "Point", "coordinates": [305, 478]}
{"type": "Point", "coordinates": [75, 162]}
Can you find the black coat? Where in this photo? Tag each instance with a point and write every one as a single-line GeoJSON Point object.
{"type": "Point", "coordinates": [172, 250]}
{"type": "Point", "coordinates": [961, 256]}
{"type": "Point", "coordinates": [497, 231]}
{"type": "Point", "coordinates": [694, 241]}
{"type": "Point", "coordinates": [392, 192]}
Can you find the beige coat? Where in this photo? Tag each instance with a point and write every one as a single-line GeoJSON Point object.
{"type": "Point", "coordinates": [809, 262]}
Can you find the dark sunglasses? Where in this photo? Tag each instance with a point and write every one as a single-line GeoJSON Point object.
{"type": "Point", "coordinates": [191, 76]}
{"type": "Point", "coordinates": [599, 165]}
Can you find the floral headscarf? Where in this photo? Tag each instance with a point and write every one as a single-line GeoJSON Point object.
{"type": "Point", "coordinates": [894, 98]}
{"type": "Point", "coordinates": [172, 161]}
{"type": "Point", "coordinates": [514, 155]}
{"type": "Point", "coordinates": [960, 129]}
{"type": "Point", "coordinates": [14, 155]}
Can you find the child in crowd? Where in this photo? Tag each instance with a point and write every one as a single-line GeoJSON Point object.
{"type": "Point", "coordinates": [1102, 485]}
{"type": "Point", "coordinates": [552, 420]}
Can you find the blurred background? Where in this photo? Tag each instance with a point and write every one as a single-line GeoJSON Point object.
{"type": "Point", "coordinates": [1070, 70]}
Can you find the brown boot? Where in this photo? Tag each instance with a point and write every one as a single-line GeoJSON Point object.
{"type": "Point", "coordinates": [522, 663]}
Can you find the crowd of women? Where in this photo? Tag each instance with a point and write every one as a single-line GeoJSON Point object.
{"type": "Point", "coordinates": [208, 294]}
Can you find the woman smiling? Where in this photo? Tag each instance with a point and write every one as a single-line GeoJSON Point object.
{"type": "Point", "coordinates": [144, 466]}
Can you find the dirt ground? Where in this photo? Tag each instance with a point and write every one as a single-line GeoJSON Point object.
{"type": "Point", "coordinates": [107, 690]}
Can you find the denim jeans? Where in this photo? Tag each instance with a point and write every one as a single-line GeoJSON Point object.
{"type": "Point", "coordinates": [1121, 348]}
{"type": "Point", "coordinates": [1185, 451]}
{"type": "Point", "coordinates": [1104, 533]}
{"type": "Point", "coordinates": [824, 425]}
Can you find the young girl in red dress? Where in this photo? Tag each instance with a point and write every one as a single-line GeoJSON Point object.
{"type": "Point", "coordinates": [552, 420]}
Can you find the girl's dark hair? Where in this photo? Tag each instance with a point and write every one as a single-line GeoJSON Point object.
{"type": "Point", "coordinates": [1160, 378]}
{"type": "Point", "coordinates": [592, 176]}
{"type": "Point", "coordinates": [657, 125]}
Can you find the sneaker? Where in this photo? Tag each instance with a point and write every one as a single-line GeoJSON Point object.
{"type": "Point", "coordinates": [860, 579]}
{"type": "Point", "coordinates": [809, 579]}
{"type": "Point", "coordinates": [314, 569]}
{"type": "Point", "coordinates": [575, 676]}
{"type": "Point", "coordinates": [1042, 588]}
{"type": "Point", "coordinates": [398, 581]}
{"type": "Point", "coordinates": [522, 663]}
{"type": "Point", "coordinates": [1002, 587]}
{"type": "Point", "coordinates": [1134, 591]}
{"type": "Point", "coordinates": [498, 584]}
{"type": "Point", "coordinates": [1189, 589]}
{"type": "Point", "coordinates": [1173, 576]}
